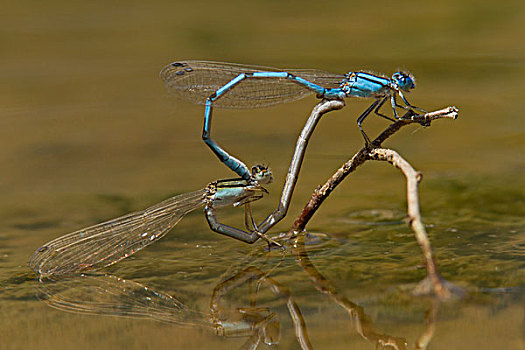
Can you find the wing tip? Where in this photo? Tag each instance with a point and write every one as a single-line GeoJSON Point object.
{"type": "Point", "coordinates": [174, 70]}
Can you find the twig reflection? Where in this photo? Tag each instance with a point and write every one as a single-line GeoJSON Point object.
{"type": "Point", "coordinates": [114, 296]}
{"type": "Point", "coordinates": [363, 325]}
{"type": "Point", "coordinates": [260, 277]}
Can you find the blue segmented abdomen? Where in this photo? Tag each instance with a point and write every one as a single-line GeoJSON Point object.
{"type": "Point", "coordinates": [195, 81]}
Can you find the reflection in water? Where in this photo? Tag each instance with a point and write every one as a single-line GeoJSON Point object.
{"type": "Point", "coordinates": [362, 323]}
{"type": "Point", "coordinates": [260, 277]}
{"type": "Point", "coordinates": [259, 322]}
{"type": "Point", "coordinates": [115, 296]}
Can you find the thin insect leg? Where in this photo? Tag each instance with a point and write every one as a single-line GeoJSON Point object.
{"type": "Point", "coordinates": [376, 110]}
{"type": "Point", "coordinates": [394, 104]}
{"type": "Point", "coordinates": [254, 228]}
{"type": "Point", "coordinates": [247, 200]}
{"type": "Point", "coordinates": [362, 118]}
{"type": "Point", "coordinates": [249, 223]}
{"type": "Point", "coordinates": [231, 162]}
{"type": "Point", "coordinates": [407, 107]}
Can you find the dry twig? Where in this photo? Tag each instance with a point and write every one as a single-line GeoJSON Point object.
{"type": "Point", "coordinates": [433, 282]}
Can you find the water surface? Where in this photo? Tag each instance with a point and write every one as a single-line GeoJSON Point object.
{"type": "Point", "coordinates": [89, 133]}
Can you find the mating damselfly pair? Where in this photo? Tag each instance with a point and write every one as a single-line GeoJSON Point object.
{"type": "Point", "coordinates": [241, 86]}
{"type": "Point", "coordinates": [216, 84]}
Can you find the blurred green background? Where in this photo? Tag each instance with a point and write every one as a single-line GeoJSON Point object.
{"type": "Point", "coordinates": [88, 132]}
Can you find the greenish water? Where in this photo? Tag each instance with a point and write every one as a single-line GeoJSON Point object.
{"type": "Point", "coordinates": [88, 133]}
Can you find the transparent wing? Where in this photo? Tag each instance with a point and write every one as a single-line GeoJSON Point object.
{"type": "Point", "coordinates": [195, 81]}
{"type": "Point", "coordinates": [111, 241]}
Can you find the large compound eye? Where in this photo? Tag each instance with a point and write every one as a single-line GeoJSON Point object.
{"type": "Point", "coordinates": [404, 81]}
{"type": "Point", "coordinates": [262, 174]}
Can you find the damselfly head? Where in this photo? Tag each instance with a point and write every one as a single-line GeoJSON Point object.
{"type": "Point", "coordinates": [262, 174]}
{"type": "Point", "coordinates": [404, 81]}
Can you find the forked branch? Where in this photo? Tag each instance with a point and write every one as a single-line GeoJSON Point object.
{"type": "Point", "coordinates": [433, 282]}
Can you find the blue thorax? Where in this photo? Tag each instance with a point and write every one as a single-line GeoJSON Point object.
{"type": "Point", "coordinates": [361, 84]}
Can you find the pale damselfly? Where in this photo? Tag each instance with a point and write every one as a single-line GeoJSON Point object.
{"type": "Point", "coordinates": [107, 243]}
